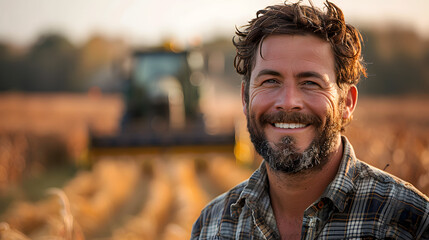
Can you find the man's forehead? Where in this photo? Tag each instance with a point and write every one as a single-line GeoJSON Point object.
{"type": "Point", "coordinates": [297, 52]}
{"type": "Point", "coordinates": [284, 45]}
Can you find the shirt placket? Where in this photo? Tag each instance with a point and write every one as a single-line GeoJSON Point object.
{"type": "Point", "coordinates": [266, 231]}
{"type": "Point", "coordinates": [314, 219]}
{"type": "Point", "coordinates": [310, 227]}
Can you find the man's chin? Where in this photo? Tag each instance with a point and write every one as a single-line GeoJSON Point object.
{"type": "Point", "coordinates": [298, 146]}
{"type": "Point", "coordinates": [299, 142]}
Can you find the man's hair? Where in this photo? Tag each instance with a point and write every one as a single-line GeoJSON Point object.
{"type": "Point", "coordinates": [298, 19]}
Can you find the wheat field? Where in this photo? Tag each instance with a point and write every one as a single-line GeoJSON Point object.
{"type": "Point", "coordinates": [160, 196]}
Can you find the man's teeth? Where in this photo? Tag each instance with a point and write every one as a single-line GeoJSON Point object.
{"type": "Point", "coordinates": [289, 125]}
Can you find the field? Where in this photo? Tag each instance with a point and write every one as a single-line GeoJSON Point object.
{"type": "Point", "coordinates": [155, 196]}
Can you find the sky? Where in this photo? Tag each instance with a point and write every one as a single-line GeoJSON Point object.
{"type": "Point", "coordinates": [149, 21]}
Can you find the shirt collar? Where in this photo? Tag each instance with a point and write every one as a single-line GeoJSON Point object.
{"type": "Point", "coordinates": [343, 183]}
{"type": "Point", "coordinates": [255, 189]}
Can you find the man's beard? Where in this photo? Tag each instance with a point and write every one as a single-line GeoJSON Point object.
{"type": "Point", "coordinates": [284, 156]}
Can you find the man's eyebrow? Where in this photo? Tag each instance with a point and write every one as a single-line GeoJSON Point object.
{"type": "Point", "coordinates": [310, 74]}
{"type": "Point", "coordinates": [268, 72]}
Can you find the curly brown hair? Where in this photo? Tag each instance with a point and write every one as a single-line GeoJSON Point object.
{"type": "Point", "coordinates": [298, 19]}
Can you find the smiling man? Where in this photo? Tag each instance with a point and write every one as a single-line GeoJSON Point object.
{"type": "Point", "coordinates": [300, 67]}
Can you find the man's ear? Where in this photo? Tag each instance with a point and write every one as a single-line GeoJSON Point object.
{"type": "Point", "coordinates": [243, 98]}
{"type": "Point", "coordinates": [350, 102]}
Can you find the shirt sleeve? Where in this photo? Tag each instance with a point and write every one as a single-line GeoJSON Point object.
{"type": "Point", "coordinates": [197, 227]}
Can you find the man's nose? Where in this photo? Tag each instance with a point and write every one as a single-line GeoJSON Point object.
{"type": "Point", "coordinates": [289, 99]}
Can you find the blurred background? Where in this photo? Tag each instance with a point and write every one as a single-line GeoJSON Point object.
{"type": "Point", "coordinates": [126, 116]}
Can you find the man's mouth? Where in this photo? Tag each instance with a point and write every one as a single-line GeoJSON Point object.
{"type": "Point", "coordinates": [290, 125]}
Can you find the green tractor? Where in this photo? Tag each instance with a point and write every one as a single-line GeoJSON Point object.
{"type": "Point", "coordinates": [162, 108]}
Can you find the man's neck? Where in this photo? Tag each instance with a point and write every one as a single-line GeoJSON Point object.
{"type": "Point", "coordinates": [291, 194]}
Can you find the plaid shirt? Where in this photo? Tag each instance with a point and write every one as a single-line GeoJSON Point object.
{"type": "Point", "coordinates": [362, 202]}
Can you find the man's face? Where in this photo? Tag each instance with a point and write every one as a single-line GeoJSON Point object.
{"type": "Point", "coordinates": [295, 109]}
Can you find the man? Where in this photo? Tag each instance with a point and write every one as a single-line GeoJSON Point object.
{"type": "Point", "coordinates": [300, 68]}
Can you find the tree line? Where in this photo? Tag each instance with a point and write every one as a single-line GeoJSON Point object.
{"type": "Point", "coordinates": [54, 64]}
{"type": "Point", "coordinates": [397, 64]}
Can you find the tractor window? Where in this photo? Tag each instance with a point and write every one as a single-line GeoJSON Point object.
{"type": "Point", "coordinates": [151, 68]}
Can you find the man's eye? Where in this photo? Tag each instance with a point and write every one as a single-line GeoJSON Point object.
{"type": "Point", "coordinates": [310, 83]}
{"type": "Point", "coordinates": [270, 81]}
